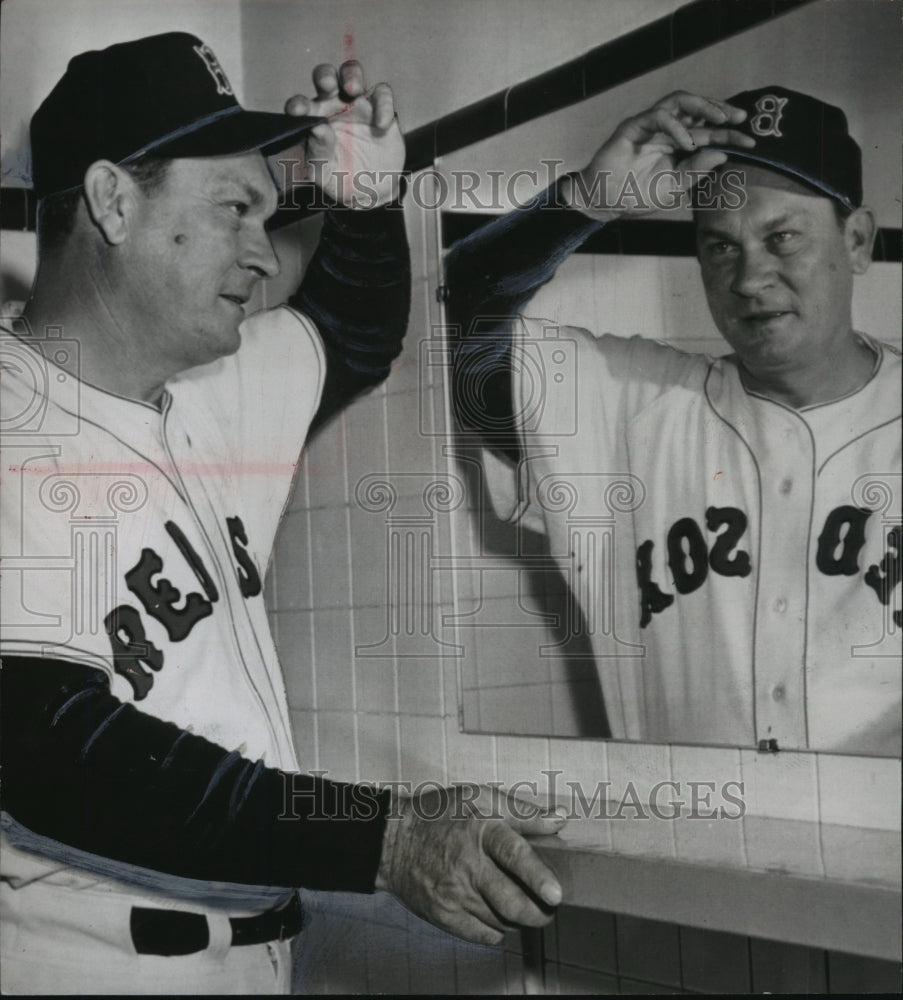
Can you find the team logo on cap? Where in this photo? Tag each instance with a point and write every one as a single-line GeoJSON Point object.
{"type": "Point", "coordinates": [215, 70]}
{"type": "Point", "coordinates": [766, 123]}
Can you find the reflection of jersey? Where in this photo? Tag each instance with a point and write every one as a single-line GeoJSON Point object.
{"type": "Point", "coordinates": [135, 540]}
{"type": "Point", "coordinates": [757, 549]}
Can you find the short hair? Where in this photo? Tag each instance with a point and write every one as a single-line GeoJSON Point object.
{"type": "Point", "coordinates": [56, 212]}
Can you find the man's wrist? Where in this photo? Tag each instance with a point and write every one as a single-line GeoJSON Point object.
{"type": "Point", "coordinates": [578, 196]}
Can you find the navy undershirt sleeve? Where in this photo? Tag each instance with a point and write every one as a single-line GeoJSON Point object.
{"type": "Point", "coordinates": [357, 290]}
{"type": "Point", "coordinates": [490, 275]}
{"type": "Point", "coordinates": [87, 770]}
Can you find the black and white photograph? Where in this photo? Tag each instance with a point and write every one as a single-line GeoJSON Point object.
{"type": "Point", "coordinates": [452, 497]}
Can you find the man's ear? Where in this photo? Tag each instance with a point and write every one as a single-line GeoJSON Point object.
{"type": "Point", "coordinates": [109, 192]}
{"type": "Point", "coordinates": [859, 236]}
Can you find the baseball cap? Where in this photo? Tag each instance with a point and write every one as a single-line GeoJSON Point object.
{"type": "Point", "coordinates": [802, 137]}
{"type": "Point", "coordinates": [165, 94]}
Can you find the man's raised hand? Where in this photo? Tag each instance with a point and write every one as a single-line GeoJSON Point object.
{"type": "Point", "coordinates": [654, 156]}
{"type": "Point", "coordinates": [357, 156]}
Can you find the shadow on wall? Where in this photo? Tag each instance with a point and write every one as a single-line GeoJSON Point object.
{"type": "Point", "coordinates": [548, 593]}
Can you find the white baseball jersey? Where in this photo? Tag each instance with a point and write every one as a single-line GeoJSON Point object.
{"type": "Point", "coordinates": [135, 539]}
{"type": "Point", "coordinates": [737, 562]}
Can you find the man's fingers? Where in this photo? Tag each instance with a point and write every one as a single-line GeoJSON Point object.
{"type": "Point", "coordinates": [515, 856]}
{"type": "Point", "coordinates": [326, 81]}
{"type": "Point", "coordinates": [510, 904]}
{"type": "Point", "coordinates": [351, 79]}
{"type": "Point", "coordinates": [722, 137]}
{"type": "Point", "coordinates": [298, 105]}
{"type": "Point", "coordinates": [383, 102]}
{"type": "Point", "coordinates": [710, 110]}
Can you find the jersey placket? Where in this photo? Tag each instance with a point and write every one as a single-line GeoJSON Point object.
{"type": "Point", "coordinates": [786, 456]}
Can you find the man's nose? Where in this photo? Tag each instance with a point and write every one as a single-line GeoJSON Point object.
{"type": "Point", "coordinates": [754, 272]}
{"type": "Point", "coordinates": [258, 254]}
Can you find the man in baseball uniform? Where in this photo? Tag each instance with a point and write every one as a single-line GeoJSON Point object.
{"type": "Point", "coordinates": [751, 595]}
{"type": "Point", "coordinates": [155, 826]}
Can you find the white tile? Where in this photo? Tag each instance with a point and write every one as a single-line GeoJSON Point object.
{"type": "Point", "coordinates": [372, 633]}
{"type": "Point", "coordinates": [333, 659]}
{"type": "Point", "coordinates": [337, 745]}
{"type": "Point", "coordinates": [378, 747]}
{"type": "Point", "coordinates": [704, 775]}
{"type": "Point", "coordinates": [859, 791]}
{"type": "Point", "coordinates": [410, 444]}
{"type": "Point", "coordinates": [375, 684]}
{"type": "Point", "coordinates": [304, 731]}
{"type": "Point", "coordinates": [583, 765]}
{"type": "Point", "coordinates": [637, 766]}
{"type": "Point", "coordinates": [470, 757]}
{"type": "Point", "coordinates": [422, 749]}
{"type": "Point", "coordinates": [369, 559]}
{"type": "Point", "coordinates": [523, 761]}
{"type": "Point", "coordinates": [782, 785]}
{"type": "Point", "coordinates": [296, 654]}
{"type": "Point", "coordinates": [420, 685]}
{"type": "Point", "coordinates": [365, 439]}
{"type": "Point", "coordinates": [877, 305]}
{"type": "Point", "coordinates": [330, 570]}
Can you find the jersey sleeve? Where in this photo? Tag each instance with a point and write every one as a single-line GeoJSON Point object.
{"type": "Point", "coordinates": [98, 783]}
{"type": "Point", "coordinates": [572, 395]}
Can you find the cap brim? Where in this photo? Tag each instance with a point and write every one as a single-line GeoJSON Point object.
{"type": "Point", "coordinates": [235, 133]}
{"type": "Point", "coordinates": [736, 153]}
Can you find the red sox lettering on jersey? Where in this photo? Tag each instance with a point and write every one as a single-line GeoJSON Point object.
{"type": "Point", "coordinates": [137, 538]}
{"type": "Point", "coordinates": [761, 572]}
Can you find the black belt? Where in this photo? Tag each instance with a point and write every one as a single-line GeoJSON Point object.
{"type": "Point", "coordinates": [174, 932]}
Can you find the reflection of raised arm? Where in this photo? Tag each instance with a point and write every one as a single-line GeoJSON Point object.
{"type": "Point", "coordinates": [357, 288]}
{"type": "Point", "coordinates": [493, 272]}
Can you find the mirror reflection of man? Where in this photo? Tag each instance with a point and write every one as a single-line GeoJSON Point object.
{"type": "Point", "coordinates": [762, 574]}
{"type": "Point", "coordinates": [156, 823]}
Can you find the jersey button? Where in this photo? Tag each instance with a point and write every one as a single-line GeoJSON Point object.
{"type": "Point", "coordinates": [778, 692]}
{"type": "Point", "coordinates": [786, 486]}
{"type": "Point", "coordinates": [780, 605]}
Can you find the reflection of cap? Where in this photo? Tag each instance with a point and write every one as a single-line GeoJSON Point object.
{"type": "Point", "coordinates": [801, 136]}
{"type": "Point", "coordinates": [165, 94]}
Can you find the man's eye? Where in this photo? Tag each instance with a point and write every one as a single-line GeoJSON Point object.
{"type": "Point", "coordinates": [240, 208]}
{"type": "Point", "coordinates": [718, 248]}
{"type": "Point", "coordinates": [782, 237]}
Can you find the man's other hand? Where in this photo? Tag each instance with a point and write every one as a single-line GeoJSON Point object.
{"type": "Point", "coordinates": [458, 858]}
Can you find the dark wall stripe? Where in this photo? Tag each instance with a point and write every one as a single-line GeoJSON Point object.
{"type": "Point", "coordinates": [17, 209]}
{"type": "Point", "coordinates": [646, 237]}
{"type": "Point", "coordinates": [688, 29]}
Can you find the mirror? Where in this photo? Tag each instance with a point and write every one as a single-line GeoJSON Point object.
{"type": "Point", "coordinates": [606, 623]}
